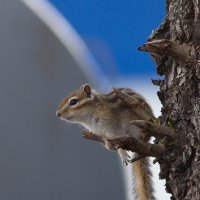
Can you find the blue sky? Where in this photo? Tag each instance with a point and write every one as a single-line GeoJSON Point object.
{"type": "Point", "coordinates": [113, 30]}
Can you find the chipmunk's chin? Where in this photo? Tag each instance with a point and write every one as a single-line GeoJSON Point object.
{"type": "Point", "coordinates": [67, 118]}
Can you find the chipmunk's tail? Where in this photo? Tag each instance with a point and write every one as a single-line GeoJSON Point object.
{"type": "Point", "coordinates": [143, 188]}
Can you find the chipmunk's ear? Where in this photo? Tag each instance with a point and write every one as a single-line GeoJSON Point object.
{"type": "Point", "coordinates": [87, 89]}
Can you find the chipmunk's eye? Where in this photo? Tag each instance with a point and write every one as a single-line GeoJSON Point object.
{"type": "Point", "coordinates": [73, 102]}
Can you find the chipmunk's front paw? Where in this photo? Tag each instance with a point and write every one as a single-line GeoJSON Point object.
{"type": "Point", "coordinates": [124, 156]}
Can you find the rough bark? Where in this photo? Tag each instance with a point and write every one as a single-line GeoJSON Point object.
{"type": "Point", "coordinates": [180, 96]}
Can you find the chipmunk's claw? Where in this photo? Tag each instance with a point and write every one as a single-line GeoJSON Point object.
{"type": "Point", "coordinates": [155, 160]}
{"type": "Point", "coordinates": [124, 156]}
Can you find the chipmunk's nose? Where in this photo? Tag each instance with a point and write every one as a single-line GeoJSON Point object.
{"type": "Point", "coordinates": [58, 113]}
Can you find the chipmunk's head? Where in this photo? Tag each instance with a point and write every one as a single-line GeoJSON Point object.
{"type": "Point", "coordinates": [77, 105]}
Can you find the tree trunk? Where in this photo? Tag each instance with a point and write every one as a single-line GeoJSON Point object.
{"type": "Point", "coordinates": [176, 59]}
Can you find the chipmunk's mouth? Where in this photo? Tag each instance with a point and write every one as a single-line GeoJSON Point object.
{"type": "Point", "coordinates": [64, 117]}
{"type": "Point", "coordinates": [67, 118]}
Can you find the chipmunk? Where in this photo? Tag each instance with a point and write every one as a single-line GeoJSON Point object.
{"type": "Point", "coordinates": [108, 117]}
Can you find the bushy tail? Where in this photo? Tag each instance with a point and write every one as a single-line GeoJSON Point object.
{"type": "Point", "coordinates": [142, 183]}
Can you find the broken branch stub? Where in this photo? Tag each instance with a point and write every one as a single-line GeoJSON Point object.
{"type": "Point", "coordinates": [154, 130]}
{"type": "Point", "coordinates": [164, 47]}
{"type": "Point", "coordinates": [130, 144]}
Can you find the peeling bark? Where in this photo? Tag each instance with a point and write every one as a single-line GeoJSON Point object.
{"type": "Point", "coordinates": [180, 96]}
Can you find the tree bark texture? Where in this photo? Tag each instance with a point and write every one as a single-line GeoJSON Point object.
{"type": "Point", "coordinates": [180, 96]}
